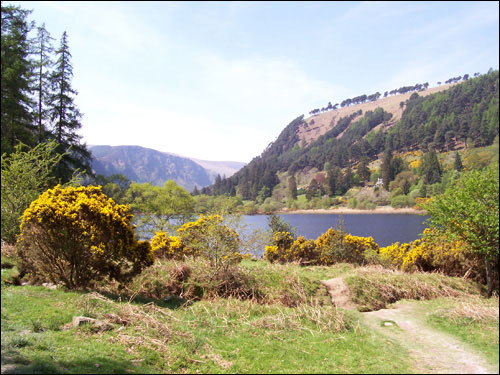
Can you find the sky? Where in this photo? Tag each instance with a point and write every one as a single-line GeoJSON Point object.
{"type": "Point", "coordinates": [220, 80]}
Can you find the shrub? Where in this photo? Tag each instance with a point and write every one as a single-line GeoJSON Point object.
{"type": "Point", "coordinates": [192, 279]}
{"type": "Point", "coordinates": [210, 237]}
{"type": "Point", "coordinates": [402, 201]}
{"type": "Point", "coordinates": [165, 246]}
{"type": "Point", "coordinates": [434, 252]}
{"type": "Point", "coordinates": [78, 235]}
{"type": "Point", "coordinates": [25, 175]}
{"type": "Point", "coordinates": [335, 246]}
{"type": "Point", "coordinates": [281, 243]}
{"type": "Point", "coordinates": [278, 224]}
{"type": "Point", "coordinates": [366, 205]}
{"type": "Point", "coordinates": [303, 251]}
{"type": "Point", "coordinates": [469, 211]}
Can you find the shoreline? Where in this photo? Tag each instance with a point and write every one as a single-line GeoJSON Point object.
{"type": "Point", "coordinates": [355, 211]}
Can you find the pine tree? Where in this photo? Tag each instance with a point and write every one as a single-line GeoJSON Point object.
{"type": "Point", "coordinates": [430, 168]}
{"type": "Point", "coordinates": [16, 75]}
{"type": "Point", "coordinates": [362, 170]}
{"type": "Point", "coordinates": [292, 188]}
{"type": "Point", "coordinates": [458, 163]}
{"type": "Point", "coordinates": [66, 116]}
{"type": "Point", "coordinates": [334, 180]}
{"type": "Point", "coordinates": [312, 189]}
{"type": "Point", "coordinates": [348, 180]}
{"type": "Point", "coordinates": [386, 170]}
{"type": "Point", "coordinates": [43, 62]}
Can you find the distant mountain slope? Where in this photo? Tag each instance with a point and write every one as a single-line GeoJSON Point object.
{"type": "Point", "coordinates": [222, 168]}
{"type": "Point", "coordinates": [444, 118]}
{"type": "Point", "coordinates": [317, 125]}
{"type": "Point", "coordinates": [141, 164]}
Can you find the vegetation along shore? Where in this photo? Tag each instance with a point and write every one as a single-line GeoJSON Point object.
{"type": "Point", "coordinates": [348, 211]}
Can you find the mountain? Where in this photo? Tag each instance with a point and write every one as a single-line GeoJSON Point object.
{"type": "Point", "coordinates": [222, 168]}
{"type": "Point", "coordinates": [461, 113]}
{"type": "Point", "coordinates": [142, 164]}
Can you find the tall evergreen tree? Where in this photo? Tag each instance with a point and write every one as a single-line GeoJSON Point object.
{"type": "Point", "coordinates": [16, 75]}
{"type": "Point", "coordinates": [431, 169]}
{"type": "Point", "coordinates": [42, 50]}
{"type": "Point", "coordinates": [312, 189]}
{"type": "Point", "coordinates": [66, 116]}
{"type": "Point", "coordinates": [292, 187]}
{"type": "Point", "coordinates": [363, 170]}
{"type": "Point", "coordinates": [386, 169]}
{"type": "Point", "coordinates": [348, 180]}
{"type": "Point", "coordinates": [458, 163]}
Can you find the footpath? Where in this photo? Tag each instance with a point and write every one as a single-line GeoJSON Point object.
{"type": "Point", "coordinates": [432, 351]}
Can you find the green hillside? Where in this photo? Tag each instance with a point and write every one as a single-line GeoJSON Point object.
{"type": "Point", "coordinates": [459, 118]}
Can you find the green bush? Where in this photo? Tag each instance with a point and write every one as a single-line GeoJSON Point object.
{"type": "Point", "coordinates": [26, 173]}
{"type": "Point", "coordinates": [401, 201]}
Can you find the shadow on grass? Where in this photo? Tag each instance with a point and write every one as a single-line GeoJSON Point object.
{"type": "Point", "coordinates": [172, 303]}
{"type": "Point", "coordinates": [17, 364]}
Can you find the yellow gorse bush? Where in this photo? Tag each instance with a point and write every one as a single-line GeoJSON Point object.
{"type": "Point", "coordinates": [77, 234]}
{"type": "Point", "coordinates": [432, 253]}
{"type": "Point", "coordinates": [208, 236]}
{"type": "Point", "coordinates": [421, 202]}
{"type": "Point", "coordinates": [281, 243]}
{"type": "Point", "coordinates": [165, 246]}
{"type": "Point", "coordinates": [331, 247]}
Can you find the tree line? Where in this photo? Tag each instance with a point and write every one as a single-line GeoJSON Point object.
{"type": "Point", "coordinates": [38, 100]}
{"type": "Point", "coordinates": [373, 97]}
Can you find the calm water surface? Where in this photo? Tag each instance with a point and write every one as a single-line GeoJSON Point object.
{"type": "Point", "coordinates": [384, 228]}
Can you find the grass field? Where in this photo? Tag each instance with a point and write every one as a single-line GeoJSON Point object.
{"type": "Point", "coordinates": [146, 333]}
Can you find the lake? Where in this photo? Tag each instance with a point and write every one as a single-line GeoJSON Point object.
{"type": "Point", "coordinates": [384, 228]}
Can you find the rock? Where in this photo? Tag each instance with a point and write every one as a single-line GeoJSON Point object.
{"type": "Point", "coordinates": [49, 285]}
{"type": "Point", "coordinates": [97, 325]}
{"type": "Point", "coordinates": [80, 320]}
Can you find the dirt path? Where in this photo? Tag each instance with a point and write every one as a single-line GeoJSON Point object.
{"type": "Point", "coordinates": [339, 293]}
{"type": "Point", "coordinates": [431, 350]}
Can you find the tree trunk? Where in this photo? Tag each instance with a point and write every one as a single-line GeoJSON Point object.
{"type": "Point", "coordinates": [488, 276]}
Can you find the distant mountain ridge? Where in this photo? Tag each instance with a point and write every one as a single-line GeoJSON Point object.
{"type": "Point", "coordinates": [141, 164]}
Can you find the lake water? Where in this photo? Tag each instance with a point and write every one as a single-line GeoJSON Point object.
{"type": "Point", "coordinates": [384, 228]}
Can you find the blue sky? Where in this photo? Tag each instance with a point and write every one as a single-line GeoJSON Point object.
{"type": "Point", "coordinates": [220, 80]}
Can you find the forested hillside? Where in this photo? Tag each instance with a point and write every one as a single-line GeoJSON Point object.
{"type": "Point", "coordinates": [464, 115]}
{"type": "Point", "coordinates": [142, 164]}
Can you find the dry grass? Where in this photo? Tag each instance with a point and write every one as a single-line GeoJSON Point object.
{"type": "Point", "coordinates": [147, 324]}
{"type": "Point", "coordinates": [476, 309]}
{"type": "Point", "coordinates": [8, 250]}
{"type": "Point", "coordinates": [302, 317]}
{"type": "Point", "coordinates": [375, 287]}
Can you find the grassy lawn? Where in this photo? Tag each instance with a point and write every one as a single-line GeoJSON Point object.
{"type": "Point", "coordinates": [210, 335]}
{"type": "Point", "coordinates": [222, 335]}
{"type": "Point", "coordinates": [153, 332]}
